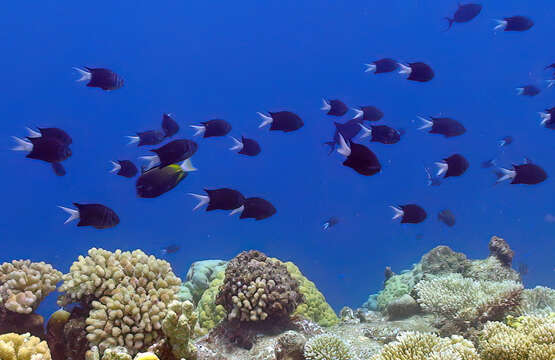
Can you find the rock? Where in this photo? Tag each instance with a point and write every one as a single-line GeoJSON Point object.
{"type": "Point", "coordinates": [347, 315]}
{"type": "Point", "coordinates": [402, 308]}
{"type": "Point", "coordinates": [365, 315]}
{"type": "Point", "coordinates": [290, 346]}
{"type": "Point", "coordinates": [443, 260]}
{"type": "Point", "coordinates": [501, 250]}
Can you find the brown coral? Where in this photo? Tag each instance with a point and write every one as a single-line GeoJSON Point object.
{"type": "Point", "coordinates": [501, 250]}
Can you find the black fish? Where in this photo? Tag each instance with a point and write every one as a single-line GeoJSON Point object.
{"type": "Point", "coordinates": [257, 208]}
{"type": "Point", "coordinates": [417, 71]}
{"type": "Point", "coordinates": [410, 213]}
{"type": "Point", "coordinates": [43, 148]}
{"type": "Point", "coordinates": [124, 168]}
{"type": "Point", "coordinates": [101, 78]}
{"type": "Point", "coordinates": [169, 125]}
{"type": "Point", "coordinates": [221, 199]}
{"type": "Point", "coordinates": [359, 158]}
{"type": "Point", "coordinates": [157, 181]}
{"type": "Point", "coordinates": [528, 90]}
{"type": "Point", "coordinates": [446, 217]}
{"type": "Point", "coordinates": [95, 215]}
{"type": "Point", "coordinates": [331, 222]}
{"type": "Point", "coordinates": [454, 165]}
{"type": "Point", "coordinates": [246, 146]}
{"type": "Point", "coordinates": [381, 133]}
{"type": "Point", "coordinates": [58, 169]}
{"type": "Point", "coordinates": [212, 128]}
{"type": "Point", "coordinates": [514, 23]}
{"type": "Point", "coordinates": [171, 249]}
{"type": "Point", "coordinates": [173, 152]}
{"type": "Point", "coordinates": [285, 121]}
{"type": "Point", "coordinates": [150, 137]}
{"type": "Point", "coordinates": [348, 130]}
{"type": "Point", "coordinates": [368, 113]}
{"type": "Point", "coordinates": [443, 125]}
{"type": "Point", "coordinates": [552, 66]}
{"type": "Point", "coordinates": [382, 66]}
{"type": "Point", "coordinates": [55, 133]}
{"type": "Point", "coordinates": [489, 163]}
{"type": "Point", "coordinates": [527, 173]}
{"type": "Point", "coordinates": [507, 140]}
{"type": "Point", "coordinates": [548, 118]}
{"type": "Point", "coordinates": [432, 180]}
{"type": "Point", "coordinates": [334, 107]}
{"type": "Point", "coordinates": [464, 13]}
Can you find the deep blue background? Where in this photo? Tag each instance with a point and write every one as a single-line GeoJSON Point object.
{"type": "Point", "coordinates": [231, 59]}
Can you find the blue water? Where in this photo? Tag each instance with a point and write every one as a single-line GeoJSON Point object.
{"type": "Point", "coordinates": [231, 59]}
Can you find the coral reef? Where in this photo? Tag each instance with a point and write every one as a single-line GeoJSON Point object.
{"type": "Point", "coordinates": [21, 323]}
{"type": "Point", "coordinates": [118, 353]}
{"type": "Point", "coordinates": [257, 288]}
{"type": "Point", "coordinates": [537, 301]}
{"type": "Point", "coordinates": [198, 279]}
{"type": "Point", "coordinates": [24, 284]}
{"type": "Point", "coordinates": [23, 347]}
{"type": "Point", "coordinates": [55, 334]}
{"type": "Point", "coordinates": [402, 307]}
{"type": "Point", "coordinates": [209, 313]}
{"type": "Point", "coordinates": [398, 285]}
{"type": "Point", "coordinates": [501, 250]}
{"type": "Point", "coordinates": [179, 326]}
{"type": "Point", "coordinates": [327, 347]}
{"type": "Point", "coordinates": [492, 269]}
{"type": "Point", "coordinates": [443, 260]}
{"type": "Point", "coordinates": [290, 346]}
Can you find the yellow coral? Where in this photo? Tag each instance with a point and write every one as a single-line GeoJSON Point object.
{"type": "Point", "coordinates": [210, 314]}
{"type": "Point", "coordinates": [23, 347]}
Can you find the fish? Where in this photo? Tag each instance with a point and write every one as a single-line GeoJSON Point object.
{"type": "Point", "coordinates": [522, 269]}
{"type": "Point", "coordinates": [102, 78]}
{"type": "Point", "coordinates": [381, 133]}
{"type": "Point", "coordinates": [245, 146]}
{"type": "Point", "coordinates": [507, 140]}
{"type": "Point", "coordinates": [43, 148]}
{"type": "Point", "coordinates": [489, 163]}
{"type": "Point", "coordinates": [173, 152]}
{"type": "Point", "coordinates": [527, 173]}
{"type": "Point", "coordinates": [446, 217]}
{"type": "Point", "coordinates": [368, 113]}
{"type": "Point", "coordinates": [432, 180]}
{"type": "Point", "coordinates": [528, 90]}
{"type": "Point", "coordinates": [443, 125]}
{"type": "Point", "coordinates": [332, 221]}
{"type": "Point", "coordinates": [150, 137]}
{"type": "Point", "coordinates": [170, 249]}
{"type": "Point", "coordinates": [157, 181]}
{"type": "Point", "coordinates": [221, 199]}
{"type": "Point", "coordinates": [454, 165]}
{"type": "Point", "coordinates": [334, 107]}
{"type": "Point", "coordinates": [55, 133]}
{"type": "Point", "coordinates": [257, 208]}
{"type": "Point", "coordinates": [212, 128]}
{"type": "Point", "coordinates": [384, 65]}
{"type": "Point", "coordinates": [409, 214]}
{"type": "Point", "coordinates": [169, 125]}
{"type": "Point", "coordinates": [124, 168]}
{"type": "Point", "coordinates": [95, 215]}
{"type": "Point", "coordinates": [514, 23]}
{"type": "Point", "coordinates": [417, 71]}
{"type": "Point", "coordinates": [348, 130]}
{"type": "Point", "coordinates": [548, 118]}
{"type": "Point", "coordinates": [359, 158]}
{"type": "Point", "coordinates": [285, 121]}
{"type": "Point", "coordinates": [465, 13]}
{"type": "Point", "coordinates": [58, 168]}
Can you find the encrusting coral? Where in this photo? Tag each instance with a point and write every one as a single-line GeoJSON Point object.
{"type": "Point", "coordinates": [130, 292]}
{"type": "Point", "coordinates": [327, 347]}
{"type": "Point", "coordinates": [23, 347]}
{"type": "Point", "coordinates": [198, 279]}
{"type": "Point", "coordinates": [209, 313]}
{"type": "Point", "coordinates": [24, 284]}
{"type": "Point", "coordinates": [179, 326]}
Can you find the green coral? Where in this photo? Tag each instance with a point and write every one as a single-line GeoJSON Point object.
{"type": "Point", "coordinates": [179, 326]}
{"type": "Point", "coordinates": [395, 287]}
{"type": "Point", "coordinates": [327, 347]}
{"type": "Point", "coordinates": [210, 314]}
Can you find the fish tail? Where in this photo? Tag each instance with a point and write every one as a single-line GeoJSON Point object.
{"type": "Point", "coordinates": [22, 145]}
{"type": "Point", "coordinates": [73, 214]}
{"type": "Point", "coordinates": [450, 23]}
{"type": "Point", "coordinates": [331, 144]}
{"type": "Point", "coordinates": [85, 74]}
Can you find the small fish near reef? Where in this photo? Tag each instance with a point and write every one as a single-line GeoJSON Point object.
{"type": "Point", "coordinates": [445, 126]}
{"type": "Point", "coordinates": [285, 121]}
{"type": "Point", "coordinates": [417, 71]}
{"type": "Point", "coordinates": [330, 223]}
{"type": "Point", "coordinates": [55, 133]}
{"type": "Point", "coordinates": [454, 165]}
{"type": "Point", "coordinates": [368, 113]}
{"type": "Point", "coordinates": [507, 140]}
{"type": "Point", "coordinates": [124, 168]}
{"type": "Point", "coordinates": [334, 107]}
{"type": "Point", "coordinates": [409, 214]}
{"type": "Point", "coordinates": [173, 152]}
{"type": "Point", "coordinates": [257, 208]}
{"type": "Point", "coordinates": [514, 23]}
{"type": "Point", "coordinates": [150, 137]}
{"type": "Point", "coordinates": [548, 118]}
{"type": "Point", "coordinates": [43, 148]}
{"type": "Point", "coordinates": [447, 217]}
{"type": "Point", "coordinates": [528, 90]}
{"type": "Point", "coordinates": [221, 199]}
{"type": "Point", "coordinates": [157, 181]}
{"type": "Point", "coordinates": [95, 215]}
{"type": "Point", "coordinates": [528, 173]}
{"type": "Point", "coordinates": [170, 127]}
{"type": "Point", "coordinates": [170, 249]}
{"type": "Point", "coordinates": [464, 14]}
{"type": "Point", "coordinates": [359, 158]}
{"type": "Point", "coordinates": [212, 128]}
{"type": "Point", "coordinates": [381, 133]}
{"type": "Point", "coordinates": [381, 66]}
{"type": "Point", "coordinates": [249, 147]}
{"type": "Point", "coordinates": [104, 79]}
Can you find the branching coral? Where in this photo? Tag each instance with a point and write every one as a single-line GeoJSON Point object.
{"type": "Point", "coordinates": [537, 301]}
{"type": "Point", "coordinates": [492, 269]}
{"type": "Point", "coordinates": [179, 326]}
{"type": "Point", "coordinates": [23, 347]}
{"type": "Point", "coordinates": [24, 284]}
{"type": "Point", "coordinates": [327, 347]}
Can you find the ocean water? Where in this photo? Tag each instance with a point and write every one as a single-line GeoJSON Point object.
{"type": "Point", "coordinates": [229, 60]}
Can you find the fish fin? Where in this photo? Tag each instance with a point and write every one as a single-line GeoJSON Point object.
{"type": "Point", "coordinates": [370, 67]}
{"type": "Point", "coordinates": [442, 168]}
{"type": "Point", "coordinates": [85, 74]}
{"type": "Point", "coordinates": [153, 160]}
{"type": "Point", "coordinates": [326, 106]}
{"type": "Point", "coordinates": [506, 174]}
{"type": "Point", "coordinates": [545, 118]}
{"type": "Point", "coordinates": [398, 213]}
{"type": "Point", "coordinates": [237, 145]}
{"type": "Point", "coordinates": [199, 129]}
{"type": "Point", "coordinates": [265, 120]}
{"type": "Point", "coordinates": [501, 24]}
{"type": "Point", "coordinates": [426, 123]}
{"type": "Point", "coordinates": [502, 143]}
{"type": "Point", "coordinates": [133, 139]}
{"type": "Point", "coordinates": [366, 132]}
{"type": "Point", "coordinates": [405, 70]}
{"type": "Point", "coordinates": [343, 149]}
{"type": "Point", "coordinates": [358, 113]}
{"type": "Point", "coordinates": [22, 145]}
{"type": "Point", "coordinates": [550, 83]}
{"type": "Point", "coordinates": [117, 167]}
{"type": "Point", "coordinates": [238, 210]}
{"type": "Point", "coordinates": [326, 225]}
{"type": "Point", "coordinates": [203, 200]}
{"type": "Point", "coordinates": [451, 21]}
{"type": "Point", "coordinates": [188, 166]}
{"type": "Point", "coordinates": [73, 214]}
{"type": "Point", "coordinates": [33, 133]}
{"type": "Point", "coordinates": [519, 90]}
{"type": "Point", "coordinates": [429, 176]}
{"type": "Point", "coordinates": [331, 144]}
